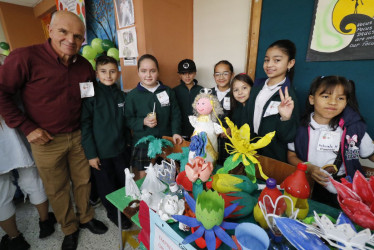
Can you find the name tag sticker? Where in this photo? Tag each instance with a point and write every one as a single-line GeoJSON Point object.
{"type": "Point", "coordinates": [328, 141]}
{"type": "Point", "coordinates": [226, 103]}
{"type": "Point", "coordinates": [87, 89]}
{"type": "Point", "coordinates": [163, 98]}
{"type": "Point", "coordinates": [272, 109]}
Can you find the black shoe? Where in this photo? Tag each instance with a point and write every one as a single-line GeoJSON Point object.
{"type": "Point", "coordinates": [95, 226]}
{"type": "Point", "coordinates": [18, 243]}
{"type": "Point", "coordinates": [47, 227]}
{"type": "Point", "coordinates": [70, 241]}
{"type": "Point", "coordinates": [4, 242]}
{"type": "Point", "coordinates": [95, 203]}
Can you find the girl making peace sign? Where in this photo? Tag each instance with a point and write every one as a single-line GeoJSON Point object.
{"type": "Point", "coordinates": [272, 101]}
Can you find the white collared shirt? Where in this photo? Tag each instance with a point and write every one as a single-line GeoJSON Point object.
{"type": "Point", "coordinates": [322, 158]}
{"type": "Point", "coordinates": [150, 89]}
{"type": "Point", "coordinates": [220, 94]}
{"type": "Point", "coordinates": [263, 96]}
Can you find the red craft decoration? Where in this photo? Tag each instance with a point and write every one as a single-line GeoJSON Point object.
{"type": "Point", "coordinates": [356, 199]}
{"type": "Point", "coordinates": [296, 184]}
{"type": "Point", "coordinates": [144, 235]}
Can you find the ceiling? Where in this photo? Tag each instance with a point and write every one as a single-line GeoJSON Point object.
{"type": "Point", "coordinates": [28, 3]}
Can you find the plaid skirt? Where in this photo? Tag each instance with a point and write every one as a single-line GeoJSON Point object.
{"type": "Point", "coordinates": [140, 158]}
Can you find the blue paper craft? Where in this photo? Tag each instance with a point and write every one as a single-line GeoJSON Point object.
{"type": "Point", "coordinates": [295, 232]}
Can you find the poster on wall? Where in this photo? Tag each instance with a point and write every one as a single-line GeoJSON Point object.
{"type": "Point", "coordinates": [125, 13]}
{"type": "Point", "coordinates": [128, 48]}
{"type": "Point", "coordinates": [342, 30]}
{"type": "Point", "coordinates": [101, 21]}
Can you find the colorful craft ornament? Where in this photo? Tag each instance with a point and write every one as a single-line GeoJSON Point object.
{"type": "Point", "coordinates": [155, 145]}
{"type": "Point", "coordinates": [341, 235]}
{"type": "Point", "coordinates": [242, 150]}
{"type": "Point", "coordinates": [199, 169]}
{"type": "Point", "coordinates": [270, 203]}
{"type": "Point", "coordinates": [166, 171]}
{"type": "Point", "coordinates": [205, 106]}
{"type": "Point", "coordinates": [224, 183]}
{"type": "Point", "coordinates": [357, 202]}
{"type": "Point", "coordinates": [296, 186]}
{"type": "Point", "coordinates": [209, 210]}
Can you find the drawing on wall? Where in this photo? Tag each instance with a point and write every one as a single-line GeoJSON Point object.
{"type": "Point", "coordinates": [128, 48]}
{"type": "Point", "coordinates": [125, 13]}
{"type": "Point", "coordinates": [100, 21]}
{"type": "Point", "coordinates": [75, 6]}
{"type": "Point", "coordinates": [342, 30]}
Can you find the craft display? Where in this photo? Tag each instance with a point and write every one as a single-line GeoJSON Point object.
{"type": "Point", "coordinates": [210, 211]}
{"type": "Point", "coordinates": [166, 171]}
{"type": "Point", "coordinates": [131, 188]}
{"type": "Point", "coordinates": [269, 199]}
{"type": "Point", "coordinates": [296, 186]}
{"type": "Point", "coordinates": [168, 206]}
{"type": "Point", "coordinates": [243, 151]}
{"type": "Point", "coordinates": [155, 145]}
{"type": "Point", "coordinates": [356, 199]}
{"type": "Point", "coordinates": [206, 109]}
{"type": "Point", "coordinates": [251, 236]}
{"type": "Point", "coordinates": [342, 235]}
{"type": "Point", "coordinates": [174, 189]}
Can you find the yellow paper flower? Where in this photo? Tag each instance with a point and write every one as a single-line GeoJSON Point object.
{"type": "Point", "coordinates": [241, 145]}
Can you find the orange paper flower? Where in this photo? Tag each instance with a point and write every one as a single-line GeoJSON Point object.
{"type": "Point", "coordinates": [199, 169]}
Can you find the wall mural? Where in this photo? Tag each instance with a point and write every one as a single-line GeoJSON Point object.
{"type": "Point", "coordinates": [342, 30]}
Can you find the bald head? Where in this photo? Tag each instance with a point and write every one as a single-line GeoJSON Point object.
{"type": "Point", "coordinates": [67, 15]}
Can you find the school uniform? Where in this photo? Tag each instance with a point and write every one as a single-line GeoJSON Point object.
{"type": "Point", "coordinates": [239, 114]}
{"type": "Point", "coordinates": [185, 98]}
{"type": "Point", "coordinates": [319, 144]}
{"type": "Point", "coordinates": [269, 119]}
{"type": "Point", "coordinates": [139, 103]}
{"type": "Point", "coordinates": [104, 136]}
{"type": "Point", "coordinates": [224, 100]}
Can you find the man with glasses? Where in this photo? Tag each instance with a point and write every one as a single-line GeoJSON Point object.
{"type": "Point", "coordinates": [49, 76]}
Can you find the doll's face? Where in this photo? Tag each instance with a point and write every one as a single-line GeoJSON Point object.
{"type": "Point", "coordinates": [203, 106]}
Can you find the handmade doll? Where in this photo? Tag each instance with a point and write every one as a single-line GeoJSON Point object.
{"type": "Point", "coordinates": [206, 108]}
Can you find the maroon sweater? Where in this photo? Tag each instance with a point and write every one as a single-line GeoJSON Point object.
{"type": "Point", "coordinates": [49, 90]}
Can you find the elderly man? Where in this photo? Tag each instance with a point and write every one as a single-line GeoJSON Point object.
{"type": "Point", "coordinates": [49, 76]}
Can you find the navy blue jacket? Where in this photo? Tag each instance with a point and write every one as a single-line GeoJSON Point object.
{"type": "Point", "coordinates": [352, 125]}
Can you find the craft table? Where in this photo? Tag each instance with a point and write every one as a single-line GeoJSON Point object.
{"type": "Point", "coordinates": [118, 199]}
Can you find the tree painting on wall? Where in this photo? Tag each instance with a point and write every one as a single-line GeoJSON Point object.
{"type": "Point", "coordinates": [101, 20]}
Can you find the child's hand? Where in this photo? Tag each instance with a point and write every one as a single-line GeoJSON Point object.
{"type": "Point", "coordinates": [150, 121]}
{"type": "Point", "coordinates": [286, 107]}
{"type": "Point", "coordinates": [319, 176]}
{"type": "Point", "coordinates": [95, 163]}
{"type": "Point", "coordinates": [177, 139]}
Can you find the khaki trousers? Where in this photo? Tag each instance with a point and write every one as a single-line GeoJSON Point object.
{"type": "Point", "coordinates": [60, 161]}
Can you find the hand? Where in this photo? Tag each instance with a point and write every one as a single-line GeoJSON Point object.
{"type": "Point", "coordinates": [39, 137]}
{"type": "Point", "coordinates": [319, 176]}
{"type": "Point", "coordinates": [95, 163]}
{"type": "Point", "coordinates": [286, 107]}
{"type": "Point", "coordinates": [150, 121]}
{"type": "Point", "coordinates": [177, 139]}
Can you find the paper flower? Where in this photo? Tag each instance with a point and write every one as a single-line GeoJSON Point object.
{"type": "Point", "coordinates": [199, 169]}
{"type": "Point", "coordinates": [241, 148]}
{"type": "Point", "coordinates": [198, 144]}
{"type": "Point", "coordinates": [209, 210]}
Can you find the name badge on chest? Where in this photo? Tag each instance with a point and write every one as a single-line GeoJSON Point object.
{"type": "Point", "coordinates": [87, 89]}
{"type": "Point", "coordinates": [163, 98]}
{"type": "Point", "coordinates": [328, 141]}
{"type": "Point", "coordinates": [226, 103]}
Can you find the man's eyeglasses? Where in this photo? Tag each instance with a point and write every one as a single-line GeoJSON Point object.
{"type": "Point", "coordinates": [225, 74]}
